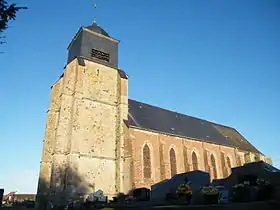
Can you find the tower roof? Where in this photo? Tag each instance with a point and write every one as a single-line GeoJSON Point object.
{"type": "Point", "coordinates": [97, 29]}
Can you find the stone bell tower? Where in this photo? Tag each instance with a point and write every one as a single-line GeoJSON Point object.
{"type": "Point", "coordinates": [83, 148]}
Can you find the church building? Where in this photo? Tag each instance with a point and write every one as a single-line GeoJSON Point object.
{"type": "Point", "coordinates": [98, 138]}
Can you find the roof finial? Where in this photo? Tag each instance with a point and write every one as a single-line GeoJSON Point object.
{"type": "Point", "coordinates": [94, 20]}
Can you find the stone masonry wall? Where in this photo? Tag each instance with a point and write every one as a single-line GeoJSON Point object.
{"type": "Point", "coordinates": [95, 120]}
{"type": "Point", "coordinates": [63, 135]}
{"type": "Point", "coordinates": [85, 138]}
{"type": "Point", "coordinates": [122, 161]}
{"type": "Point", "coordinates": [50, 131]}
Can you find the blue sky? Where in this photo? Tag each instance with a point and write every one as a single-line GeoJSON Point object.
{"type": "Point", "coordinates": [217, 60]}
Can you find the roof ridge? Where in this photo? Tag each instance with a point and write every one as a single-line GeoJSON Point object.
{"type": "Point", "coordinates": [226, 126]}
{"type": "Point", "coordinates": [165, 109]}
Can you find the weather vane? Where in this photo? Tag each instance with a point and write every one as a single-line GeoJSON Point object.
{"type": "Point", "coordinates": [95, 6]}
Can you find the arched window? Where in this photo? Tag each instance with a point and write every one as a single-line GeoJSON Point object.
{"type": "Point", "coordinates": [213, 164]}
{"type": "Point", "coordinates": [147, 162]}
{"type": "Point", "coordinates": [194, 161]}
{"type": "Point", "coordinates": [173, 167]}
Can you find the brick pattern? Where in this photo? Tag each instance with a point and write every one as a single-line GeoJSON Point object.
{"type": "Point", "coordinates": [238, 160]}
{"type": "Point", "coordinates": [207, 166]}
{"type": "Point", "coordinates": [184, 149]}
{"type": "Point", "coordinates": [186, 161]}
{"type": "Point", "coordinates": [223, 162]}
{"type": "Point", "coordinates": [161, 159]}
{"type": "Point", "coordinates": [214, 167]}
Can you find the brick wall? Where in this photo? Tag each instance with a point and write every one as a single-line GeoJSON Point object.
{"type": "Point", "coordinates": [160, 145]}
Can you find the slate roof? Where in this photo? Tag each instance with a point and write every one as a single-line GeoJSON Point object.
{"type": "Point", "coordinates": [94, 27]}
{"type": "Point", "coordinates": [153, 118]}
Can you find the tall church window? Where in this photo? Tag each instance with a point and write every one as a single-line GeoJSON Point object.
{"type": "Point", "coordinates": [173, 167]}
{"type": "Point", "coordinates": [213, 164]}
{"type": "Point", "coordinates": [194, 161]}
{"type": "Point", "coordinates": [147, 162]}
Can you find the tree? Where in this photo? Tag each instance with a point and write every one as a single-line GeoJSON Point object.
{"type": "Point", "coordinates": [8, 12]}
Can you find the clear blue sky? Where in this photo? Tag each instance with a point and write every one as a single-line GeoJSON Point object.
{"type": "Point", "coordinates": [214, 59]}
